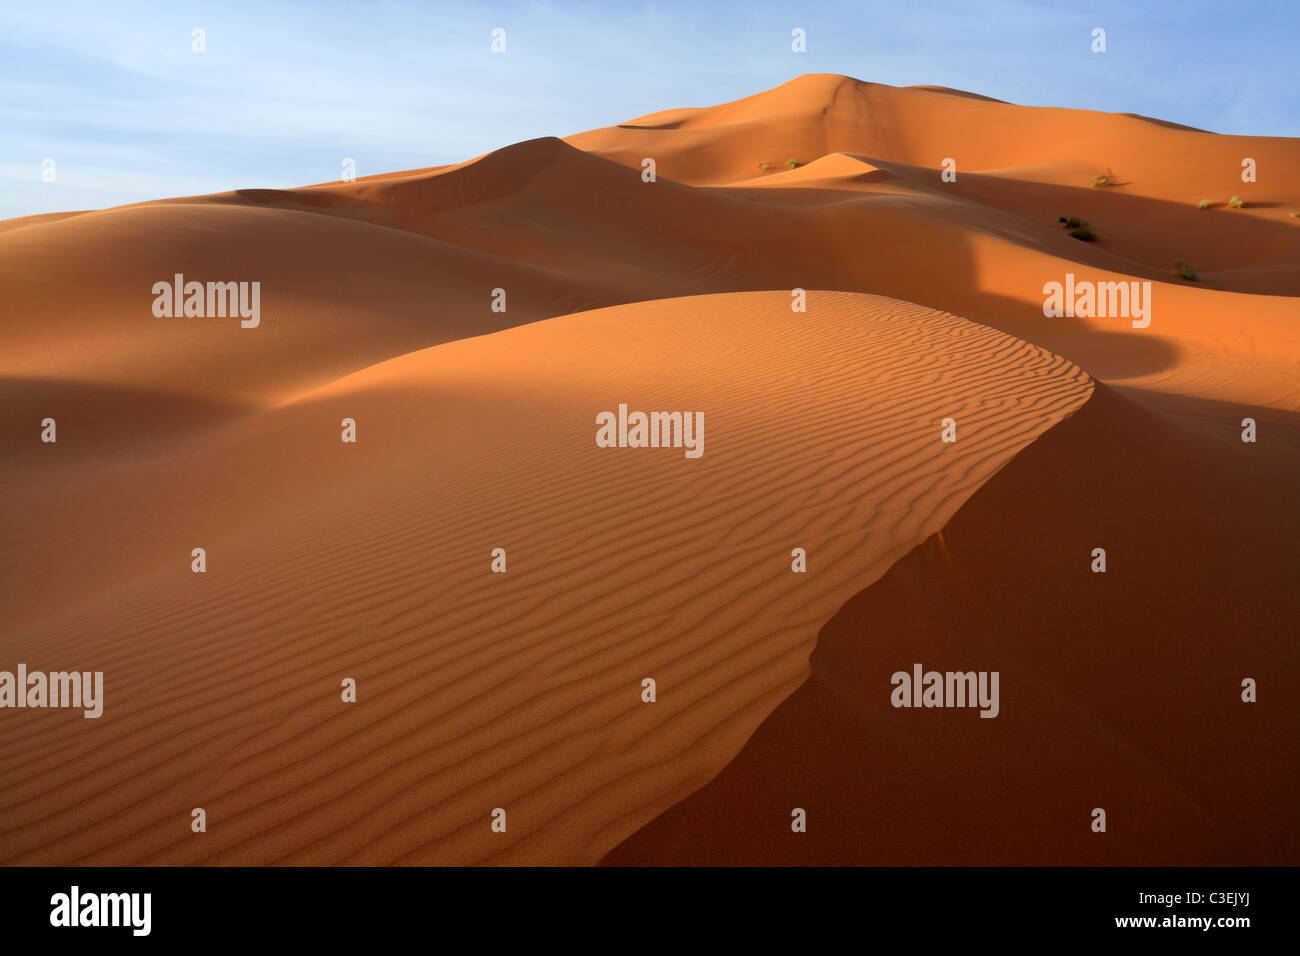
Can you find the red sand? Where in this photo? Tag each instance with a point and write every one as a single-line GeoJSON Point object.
{"type": "Point", "coordinates": [476, 431]}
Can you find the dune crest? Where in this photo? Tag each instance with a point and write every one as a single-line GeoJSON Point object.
{"type": "Point", "coordinates": [518, 690]}
{"type": "Point", "coordinates": [1120, 691]}
{"type": "Point", "coordinates": [472, 321]}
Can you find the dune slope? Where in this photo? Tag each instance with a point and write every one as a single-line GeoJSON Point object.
{"type": "Point", "coordinates": [474, 318]}
{"type": "Point", "coordinates": [1119, 690]}
{"type": "Point", "coordinates": [478, 690]}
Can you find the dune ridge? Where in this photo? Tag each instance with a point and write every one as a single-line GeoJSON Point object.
{"type": "Point", "coordinates": [1147, 725]}
{"type": "Point", "coordinates": [522, 690]}
{"type": "Point", "coordinates": [519, 690]}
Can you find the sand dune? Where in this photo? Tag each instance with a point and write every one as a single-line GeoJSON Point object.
{"type": "Point", "coordinates": [817, 114]}
{"type": "Point", "coordinates": [479, 690]}
{"type": "Point", "coordinates": [476, 430]}
{"type": "Point", "coordinates": [1119, 691]}
{"type": "Point", "coordinates": [1034, 163]}
{"type": "Point", "coordinates": [562, 230]}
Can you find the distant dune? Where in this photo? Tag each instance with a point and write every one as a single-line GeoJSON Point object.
{"type": "Point", "coordinates": [476, 430]}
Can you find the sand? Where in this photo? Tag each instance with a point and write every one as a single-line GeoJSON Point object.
{"type": "Point", "coordinates": [476, 430]}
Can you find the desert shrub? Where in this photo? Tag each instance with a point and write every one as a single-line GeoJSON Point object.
{"type": "Point", "coordinates": [1203, 204]}
{"type": "Point", "coordinates": [1077, 228]}
{"type": "Point", "coordinates": [1235, 202]}
{"type": "Point", "coordinates": [1186, 271]}
{"type": "Point", "coordinates": [792, 163]}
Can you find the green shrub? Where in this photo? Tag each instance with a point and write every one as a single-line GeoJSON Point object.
{"type": "Point", "coordinates": [1203, 204]}
{"type": "Point", "coordinates": [1077, 228]}
{"type": "Point", "coordinates": [1235, 202]}
{"type": "Point", "coordinates": [793, 163]}
{"type": "Point", "coordinates": [1186, 271]}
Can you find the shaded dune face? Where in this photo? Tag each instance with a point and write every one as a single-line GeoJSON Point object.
{"type": "Point", "coordinates": [476, 430]}
{"type": "Point", "coordinates": [520, 690]}
{"type": "Point", "coordinates": [1119, 691]}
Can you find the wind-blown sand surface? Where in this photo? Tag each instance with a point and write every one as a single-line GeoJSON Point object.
{"type": "Point", "coordinates": [477, 690]}
{"type": "Point", "coordinates": [1119, 691]}
{"type": "Point", "coordinates": [476, 431]}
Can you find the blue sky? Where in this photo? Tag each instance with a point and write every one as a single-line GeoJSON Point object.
{"type": "Point", "coordinates": [114, 94]}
